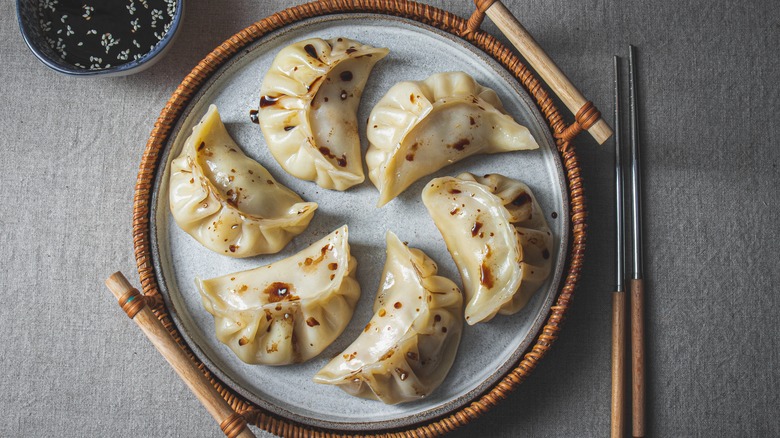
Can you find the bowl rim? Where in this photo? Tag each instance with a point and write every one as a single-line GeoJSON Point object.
{"type": "Point", "coordinates": [133, 66]}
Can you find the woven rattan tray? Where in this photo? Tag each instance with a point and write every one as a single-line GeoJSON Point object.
{"type": "Point", "coordinates": [152, 164]}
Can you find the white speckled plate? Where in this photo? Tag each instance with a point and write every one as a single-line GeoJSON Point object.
{"type": "Point", "coordinates": [487, 351]}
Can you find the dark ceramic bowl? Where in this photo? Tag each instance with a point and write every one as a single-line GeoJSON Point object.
{"type": "Point", "coordinates": [27, 14]}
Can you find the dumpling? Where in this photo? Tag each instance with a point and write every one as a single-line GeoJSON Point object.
{"type": "Point", "coordinates": [308, 109]}
{"type": "Point", "coordinates": [288, 311]}
{"type": "Point", "coordinates": [408, 347]}
{"type": "Point", "coordinates": [496, 232]}
{"type": "Point", "coordinates": [227, 201]}
{"type": "Point", "coordinates": [418, 128]}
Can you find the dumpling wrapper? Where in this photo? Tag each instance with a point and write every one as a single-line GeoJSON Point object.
{"type": "Point", "coordinates": [308, 109]}
{"type": "Point", "coordinates": [420, 127]}
{"type": "Point", "coordinates": [498, 237]}
{"type": "Point", "coordinates": [229, 202]}
{"type": "Point", "coordinates": [408, 347]}
{"type": "Point", "coordinates": [288, 311]}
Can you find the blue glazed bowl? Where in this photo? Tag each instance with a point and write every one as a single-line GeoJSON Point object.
{"type": "Point", "coordinates": [27, 15]}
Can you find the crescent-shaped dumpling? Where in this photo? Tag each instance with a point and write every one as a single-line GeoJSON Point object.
{"type": "Point", "coordinates": [418, 128]}
{"type": "Point", "coordinates": [497, 234]}
{"type": "Point", "coordinates": [288, 311]}
{"type": "Point", "coordinates": [308, 109]}
{"type": "Point", "coordinates": [408, 347]}
{"type": "Point", "coordinates": [229, 202]}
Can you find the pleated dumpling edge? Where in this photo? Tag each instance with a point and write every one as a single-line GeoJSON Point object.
{"type": "Point", "coordinates": [229, 202]}
{"type": "Point", "coordinates": [408, 347]}
{"type": "Point", "coordinates": [289, 311]}
{"type": "Point", "coordinates": [308, 109]}
{"type": "Point", "coordinates": [419, 127]}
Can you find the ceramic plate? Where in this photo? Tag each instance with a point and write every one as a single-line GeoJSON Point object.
{"type": "Point", "coordinates": [487, 351]}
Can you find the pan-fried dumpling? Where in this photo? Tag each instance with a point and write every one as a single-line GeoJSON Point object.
{"type": "Point", "coordinates": [408, 347]}
{"type": "Point", "coordinates": [418, 128]}
{"type": "Point", "coordinates": [497, 234]}
{"type": "Point", "coordinates": [308, 109]}
{"type": "Point", "coordinates": [229, 202]}
{"type": "Point", "coordinates": [288, 311]}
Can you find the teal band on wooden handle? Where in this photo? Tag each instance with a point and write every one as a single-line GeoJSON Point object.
{"type": "Point", "coordinates": [132, 302]}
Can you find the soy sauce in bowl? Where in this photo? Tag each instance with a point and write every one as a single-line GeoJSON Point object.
{"type": "Point", "coordinates": [84, 37]}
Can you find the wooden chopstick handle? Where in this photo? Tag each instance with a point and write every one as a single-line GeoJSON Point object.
{"type": "Point", "coordinates": [133, 303]}
{"type": "Point", "coordinates": [552, 75]}
{"type": "Point", "coordinates": [638, 357]}
{"type": "Point", "coordinates": [618, 423]}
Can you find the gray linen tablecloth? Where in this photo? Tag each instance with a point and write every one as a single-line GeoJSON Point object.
{"type": "Point", "coordinates": [72, 365]}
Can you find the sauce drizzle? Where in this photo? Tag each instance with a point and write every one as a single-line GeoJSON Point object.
{"type": "Point", "coordinates": [279, 291]}
{"type": "Point", "coordinates": [266, 101]}
{"type": "Point", "coordinates": [311, 51]}
{"type": "Point", "coordinates": [485, 276]}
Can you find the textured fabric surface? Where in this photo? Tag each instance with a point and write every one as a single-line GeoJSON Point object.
{"type": "Point", "coordinates": [73, 365]}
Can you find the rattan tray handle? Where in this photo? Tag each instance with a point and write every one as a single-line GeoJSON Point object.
{"type": "Point", "coordinates": [134, 304]}
{"type": "Point", "coordinates": [586, 115]}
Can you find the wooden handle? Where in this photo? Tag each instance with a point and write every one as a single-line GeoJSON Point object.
{"type": "Point", "coordinates": [232, 424]}
{"type": "Point", "coordinates": [552, 75]}
{"type": "Point", "coordinates": [618, 365]}
{"type": "Point", "coordinates": [638, 357]}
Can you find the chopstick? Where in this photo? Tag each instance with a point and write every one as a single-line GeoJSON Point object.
{"type": "Point", "coordinates": [133, 303]}
{"type": "Point", "coordinates": [637, 282]}
{"type": "Point", "coordinates": [619, 296]}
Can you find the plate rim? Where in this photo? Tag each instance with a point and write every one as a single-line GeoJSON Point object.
{"type": "Point", "coordinates": [233, 381]}
{"type": "Point", "coordinates": [544, 334]}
